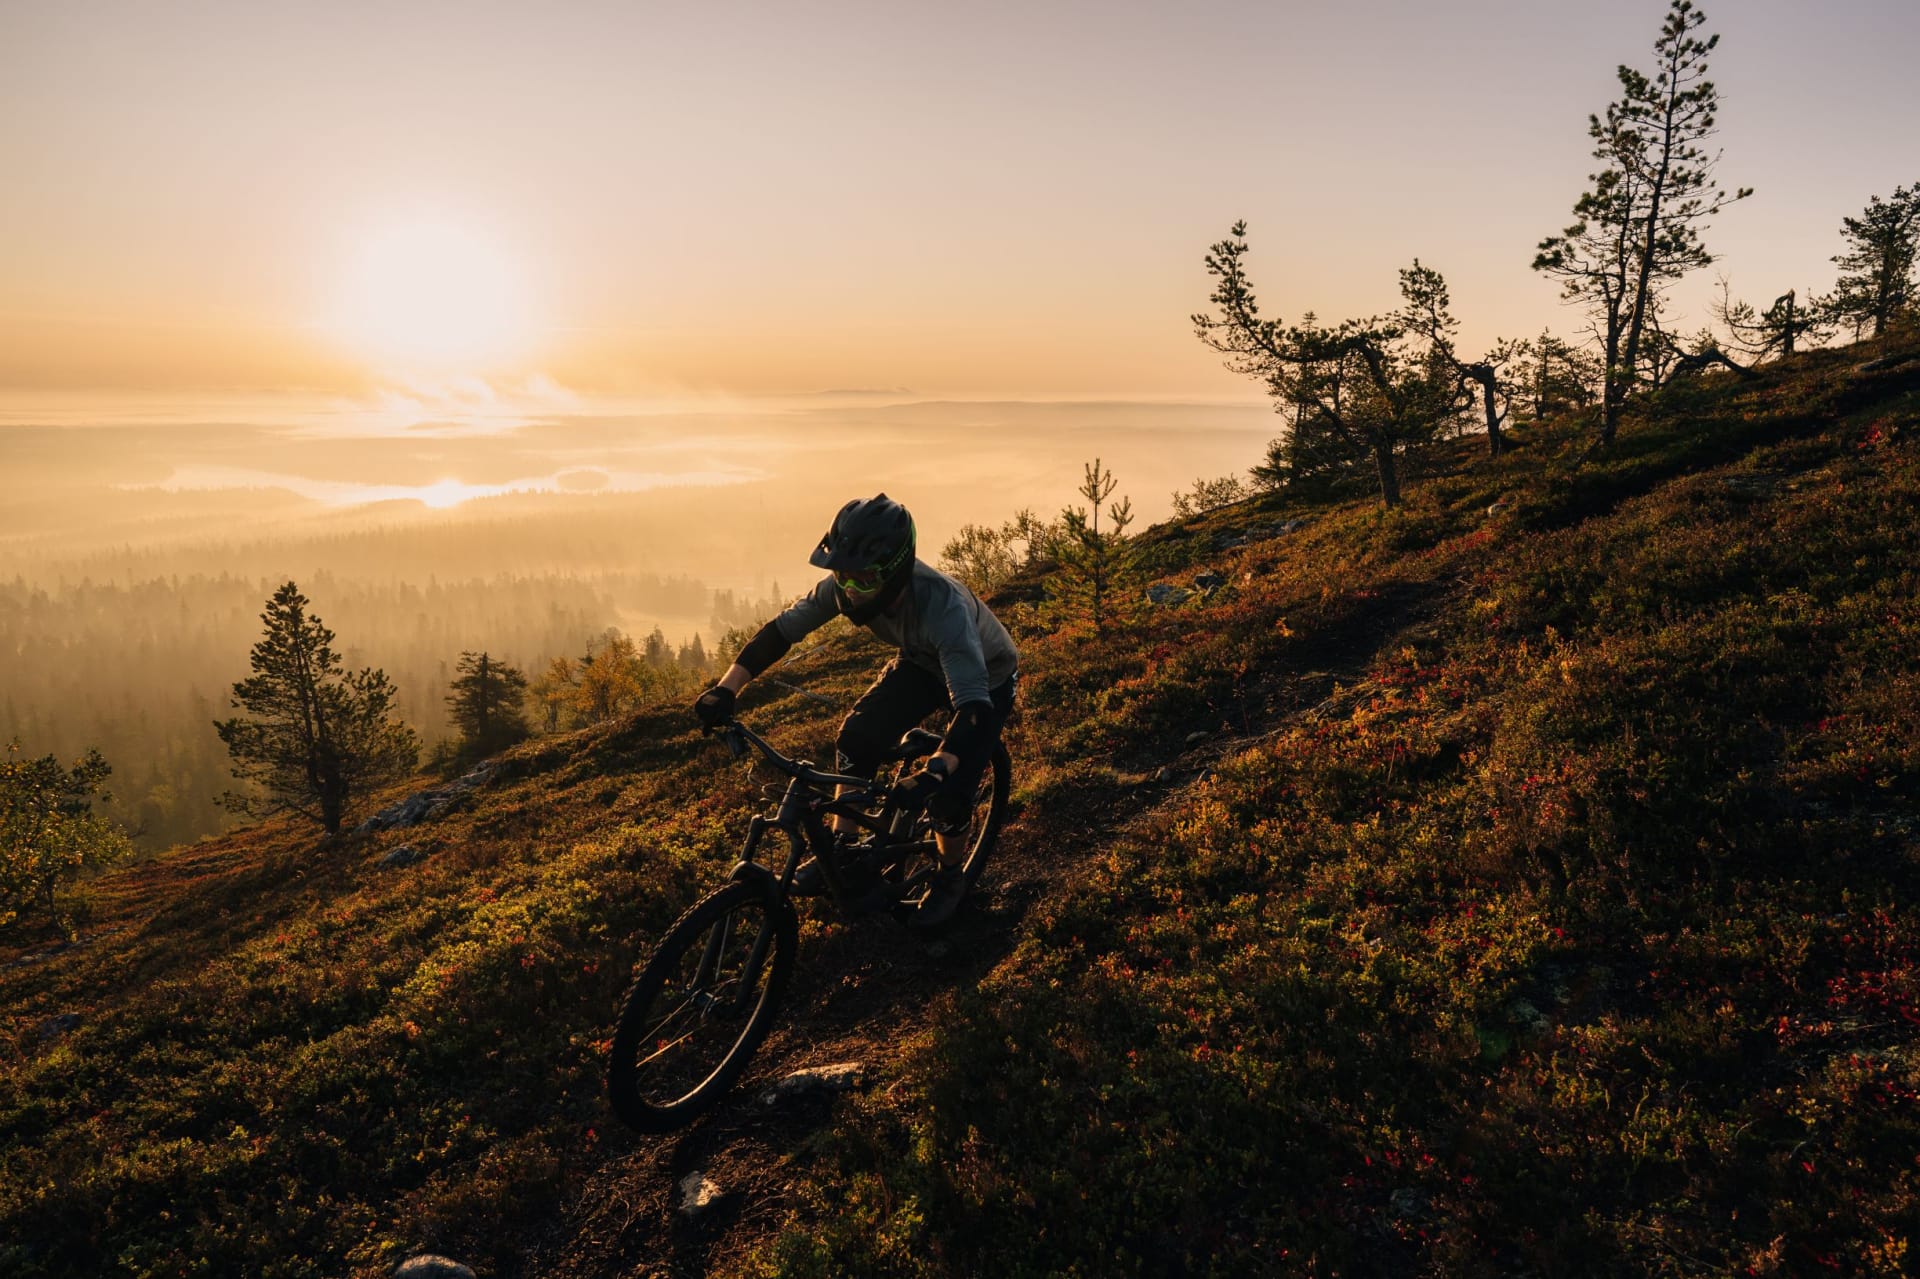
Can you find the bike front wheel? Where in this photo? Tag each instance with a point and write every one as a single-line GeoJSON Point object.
{"type": "Point", "coordinates": [701, 1007]}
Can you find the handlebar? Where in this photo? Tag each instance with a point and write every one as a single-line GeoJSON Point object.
{"type": "Point", "coordinates": [738, 737]}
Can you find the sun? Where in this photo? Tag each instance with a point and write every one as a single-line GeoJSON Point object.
{"type": "Point", "coordinates": [431, 294]}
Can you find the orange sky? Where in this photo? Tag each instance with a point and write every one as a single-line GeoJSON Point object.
{"type": "Point", "coordinates": [993, 198]}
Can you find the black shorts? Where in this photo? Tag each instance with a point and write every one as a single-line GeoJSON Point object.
{"type": "Point", "coordinates": [903, 696]}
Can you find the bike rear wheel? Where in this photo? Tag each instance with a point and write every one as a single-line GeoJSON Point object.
{"type": "Point", "coordinates": [701, 1007]}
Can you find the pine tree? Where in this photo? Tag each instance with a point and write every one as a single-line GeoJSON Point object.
{"type": "Point", "coordinates": [487, 704]}
{"type": "Point", "coordinates": [314, 738]}
{"type": "Point", "coordinates": [1638, 228]}
{"type": "Point", "coordinates": [1876, 272]}
{"type": "Point", "coordinates": [1089, 556]}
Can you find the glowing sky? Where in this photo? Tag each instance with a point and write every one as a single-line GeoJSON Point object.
{"type": "Point", "coordinates": [972, 198]}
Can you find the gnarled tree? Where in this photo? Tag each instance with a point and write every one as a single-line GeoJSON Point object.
{"type": "Point", "coordinates": [1371, 385]}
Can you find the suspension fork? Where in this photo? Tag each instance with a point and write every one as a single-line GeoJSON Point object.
{"type": "Point", "coordinates": [749, 870]}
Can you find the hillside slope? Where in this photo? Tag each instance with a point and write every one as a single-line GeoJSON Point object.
{"type": "Point", "coordinates": [1516, 882]}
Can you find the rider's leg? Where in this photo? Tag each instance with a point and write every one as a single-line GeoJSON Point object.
{"type": "Point", "coordinates": [897, 701]}
{"type": "Point", "coordinates": [952, 810]}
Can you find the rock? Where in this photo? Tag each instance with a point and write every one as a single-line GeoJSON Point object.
{"type": "Point", "coordinates": [1162, 593]}
{"type": "Point", "coordinates": [405, 855]}
{"type": "Point", "coordinates": [56, 1026]}
{"type": "Point", "coordinates": [1526, 1018]}
{"type": "Point", "coordinates": [431, 1266]}
{"type": "Point", "coordinates": [1497, 507]}
{"type": "Point", "coordinates": [1750, 485]}
{"type": "Point", "coordinates": [938, 950]}
{"type": "Point", "coordinates": [1195, 738]}
{"type": "Point", "coordinates": [1161, 774]}
{"type": "Point", "coordinates": [1409, 1203]}
{"type": "Point", "coordinates": [1882, 364]}
{"type": "Point", "coordinates": [1209, 581]}
{"type": "Point", "coordinates": [842, 1076]}
{"type": "Point", "coordinates": [697, 1194]}
{"type": "Point", "coordinates": [431, 803]}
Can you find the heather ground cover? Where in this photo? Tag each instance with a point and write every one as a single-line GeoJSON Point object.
{"type": "Point", "coordinates": [1515, 882]}
{"type": "Point", "coordinates": [1553, 919]}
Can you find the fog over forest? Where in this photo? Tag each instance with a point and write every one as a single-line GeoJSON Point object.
{"type": "Point", "coordinates": [136, 552]}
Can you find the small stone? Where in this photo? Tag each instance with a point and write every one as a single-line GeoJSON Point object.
{"type": "Point", "coordinates": [1209, 581]}
{"type": "Point", "coordinates": [1196, 737]}
{"type": "Point", "coordinates": [431, 1266]}
{"type": "Point", "coordinates": [1161, 774]}
{"type": "Point", "coordinates": [1288, 527]}
{"type": "Point", "coordinates": [697, 1193]}
{"type": "Point", "coordinates": [1409, 1202]}
{"type": "Point", "coordinates": [938, 950]}
{"type": "Point", "coordinates": [842, 1076]}
{"type": "Point", "coordinates": [1162, 593]}
{"type": "Point", "coordinates": [54, 1027]}
{"type": "Point", "coordinates": [405, 855]}
{"type": "Point", "coordinates": [1527, 1018]}
{"type": "Point", "coordinates": [1497, 507]}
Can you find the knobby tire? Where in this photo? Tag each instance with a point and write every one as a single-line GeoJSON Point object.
{"type": "Point", "coordinates": [657, 1078]}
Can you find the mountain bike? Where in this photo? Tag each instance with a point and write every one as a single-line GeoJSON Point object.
{"type": "Point", "coordinates": [709, 994]}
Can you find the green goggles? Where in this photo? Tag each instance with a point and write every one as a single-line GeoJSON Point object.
{"type": "Point", "coordinates": [864, 581]}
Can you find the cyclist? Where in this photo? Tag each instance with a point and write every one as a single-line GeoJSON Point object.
{"type": "Point", "coordinates": [954, 654]}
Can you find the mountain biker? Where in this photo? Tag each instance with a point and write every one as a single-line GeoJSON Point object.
{"type": "Point", "coordinates": [954, 655]}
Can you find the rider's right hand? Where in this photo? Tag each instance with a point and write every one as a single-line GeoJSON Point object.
{"type": "Point", "coordinates": [714, 707]}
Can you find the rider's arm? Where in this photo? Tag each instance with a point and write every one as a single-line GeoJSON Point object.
{"type": "Point", "coordinates": [964, 665]}
{"type": "Point", "coordinates": [770, 643]}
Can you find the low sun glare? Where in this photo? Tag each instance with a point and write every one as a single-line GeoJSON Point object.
{"type": "Point", "coordinates": [431, 295]}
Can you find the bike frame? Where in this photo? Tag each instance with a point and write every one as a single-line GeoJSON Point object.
{"type": "Point", "coordinates": [804, 807]}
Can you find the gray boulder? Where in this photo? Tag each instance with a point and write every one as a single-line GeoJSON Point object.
{"type": "Point", "coordinates": [429, 804]}
{"type": "Point", "coordinates": [405, 855]}
{"type": "Point", "coordinates": [1163, 594]}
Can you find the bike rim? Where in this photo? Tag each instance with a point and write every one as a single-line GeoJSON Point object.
{"type": "Point", "coordinates": [704, 1006]}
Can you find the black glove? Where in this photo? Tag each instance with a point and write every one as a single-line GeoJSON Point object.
{"type": "Point", "coordinates": [923, 785]}
{"type": "Point", "coordinates": [714, 707]}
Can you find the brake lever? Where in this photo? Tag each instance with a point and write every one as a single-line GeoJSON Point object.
{"type": "Point", "coordinates": [731, 736]}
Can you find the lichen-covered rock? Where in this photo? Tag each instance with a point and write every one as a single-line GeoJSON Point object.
{"type": "Point", "coordinates": [432, 1266]}
{"type": "Point", "coordinates": [842, 1076]}
{"type": "Point", "coordinates": [1162, 593]}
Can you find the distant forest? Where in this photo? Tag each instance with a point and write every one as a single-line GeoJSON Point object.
{"type": "Point", "coordinates": [139, 665]}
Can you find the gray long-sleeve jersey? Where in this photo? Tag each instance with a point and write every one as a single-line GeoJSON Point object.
{"type": "Point", "coordinates": [940, 626]}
